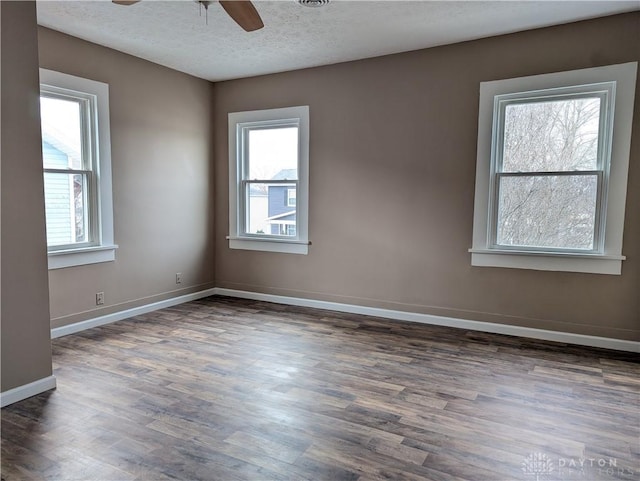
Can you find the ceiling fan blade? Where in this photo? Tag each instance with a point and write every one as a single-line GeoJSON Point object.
{"type": "Point", "coordinates": [244, 14]}
{"type": "Point", "coordinates": [125, 2]}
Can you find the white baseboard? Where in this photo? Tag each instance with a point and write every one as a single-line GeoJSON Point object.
{"type": "Point", "coordinates": [565, 337]}
{"type": "Point", "coordinates": [127, 313]}
{"type": "Point", "coordinates": [557, 336]}
{"type": "Point", "coordinates": [27, 390]}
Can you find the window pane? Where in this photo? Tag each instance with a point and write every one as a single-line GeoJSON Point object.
{"type": "Point", "coordinates": [551, 136]}
{"type": "Point", "coordinates": [66, 211]}
{"type": "Point", "coordinates": [267, 210]}
{"type": "Point", "coordinates": [273, 153]}
{"type": "Point", "coordinates": [61, 133]}
{"type": "Point", "coordinates": [547, 211]}
{"type": "Point", "coordinates": [291, 197]}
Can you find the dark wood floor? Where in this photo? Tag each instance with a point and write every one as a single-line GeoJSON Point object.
{"type": "Point", "coordinates": [223, 389]}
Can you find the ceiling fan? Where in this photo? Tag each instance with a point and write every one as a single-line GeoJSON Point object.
{"type": "Point", "coordinates": [241, 11]}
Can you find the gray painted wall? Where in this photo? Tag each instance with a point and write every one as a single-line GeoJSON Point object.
{"type": "Point", "coordinates": [392, 176]}
{"type": "Point", "coordinates": [406, 120]}
{"type": "Point", "coordinates": [26, 346]}
{"type": "Point", "coordinates": [162, 173]}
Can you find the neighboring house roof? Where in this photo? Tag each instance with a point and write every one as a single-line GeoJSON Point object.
{"type": "Point", "coordinates": [58, 143]}
{"type": "Point", "coordinates": [282, 216]}
{"type": "Point", "coordinates": [286, 174]}
{"type": "Point", "coordinates": [257, 190]}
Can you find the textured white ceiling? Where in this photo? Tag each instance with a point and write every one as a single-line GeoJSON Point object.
{"type": "Point", "coordinates": [175, 35]}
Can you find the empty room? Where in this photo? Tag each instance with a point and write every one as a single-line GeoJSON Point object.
{"type": "Point", "coordinates": [320, 240]}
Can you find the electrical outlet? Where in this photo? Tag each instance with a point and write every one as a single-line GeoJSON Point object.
{"type": "Point", "coordinates": [178, 277]}
{"type": "Point", "coordinates": [99, 298]}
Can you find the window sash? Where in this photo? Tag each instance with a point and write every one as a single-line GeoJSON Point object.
{"type": "Point", "coordinates": [245, 189]}
{"type": "Point", "coordinates": [604, 92]}
{"type": "Point", "coordinates": [87, 104]}
{"type": "Point", "coordinates": [88, 139]}
{"type": "Point", "coordinates": [244, 181]}
{"type": "Point", "coordinates": [245, 128]}
{"type": "Point", "coordinates": [68, 171]}
{"type": "Point", "coordinates": [598, 228]}
{"type": "Point", "coordinates": [86, 183]}
{"type": "Point", "coordinates": [584, 92]}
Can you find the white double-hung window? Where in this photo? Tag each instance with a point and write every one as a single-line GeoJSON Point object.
{"type": "Point", "coordinates": [553, 155]}
{"type": "Point", "coordinates": [269, 180]}
{"type": "Point", "coordinates": [77, 169]}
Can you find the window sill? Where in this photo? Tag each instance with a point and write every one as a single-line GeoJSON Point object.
{"type": "Point", "coordinates": [80, 257]}
{"type": "Point", "coordinates": [548, 261]}
{"type": "Point", "coordinates": [269, 245]}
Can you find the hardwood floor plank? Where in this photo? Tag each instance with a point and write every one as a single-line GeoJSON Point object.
{"type": "Point", "coordinates": [226, 389]}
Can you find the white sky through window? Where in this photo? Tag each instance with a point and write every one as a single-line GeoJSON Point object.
{"type": "Point", "coordinates": [272, 150]}
{"type": "Point", "coordinates": [61, 120]}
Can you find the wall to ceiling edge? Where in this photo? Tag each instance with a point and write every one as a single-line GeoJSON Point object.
{"type": "Point", "coordinates": [392, 172]}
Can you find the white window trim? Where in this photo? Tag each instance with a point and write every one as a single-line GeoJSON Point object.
{"type": "Point", "coordinates": [105, 249]}
{"type": "Point", "coordinates": [609, 261]}
{"type": "Point", "coordinates": [299, 245]}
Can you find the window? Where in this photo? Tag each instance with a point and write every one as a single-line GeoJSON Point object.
{"type": "Point", "coordinates": [268, 180]}
{"type": "Point", "coordinates": [76, 164]}
{"type": "Point", "coordinates": [550, 168]}
{"type": "Point", "coordinates": [291, 197]}
{"type": "Point", "coordinates": [553, 155]}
